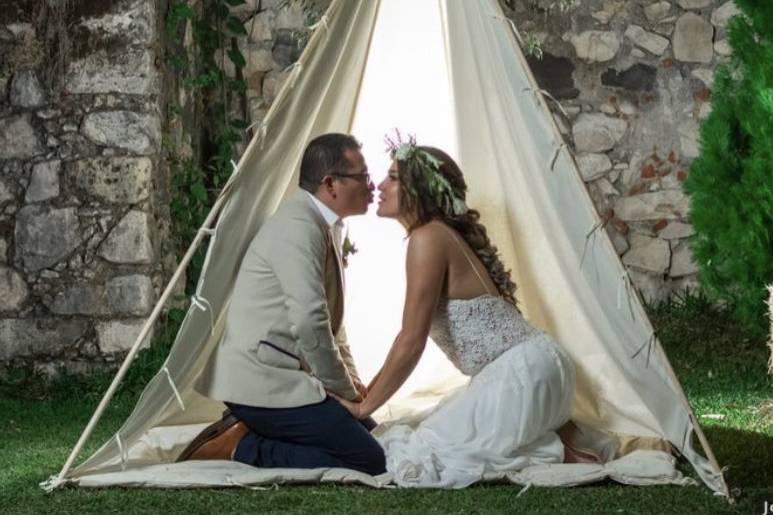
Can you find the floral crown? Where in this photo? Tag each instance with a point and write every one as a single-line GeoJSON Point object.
{"type": "Point", "coordinates": [427, 167]}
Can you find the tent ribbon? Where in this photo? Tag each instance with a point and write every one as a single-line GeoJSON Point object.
{"type": "Point", "coordinates": [512, 26]}
{"type": "Point", "coordinates": [174, 387]}
{"type": "Point", "coordinates": [323, 22]}
{"type": "Point", "coordinates": [295, 70]}
{"type": "Point", "coordinates": [231, 481]}
{"type": "Point", "coordinates": [204, 305]}
{"type": "Point", "coordinates": [555, 156]}
{"type": "Point", "coordinates": [121, 450]}
{"type": "Point", "coordinates": [649, 343]}
{"type": "Point", "coordinates": [523, 490]}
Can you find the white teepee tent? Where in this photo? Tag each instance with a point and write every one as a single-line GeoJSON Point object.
{"type": "Point", "coordinates": [451, 71]}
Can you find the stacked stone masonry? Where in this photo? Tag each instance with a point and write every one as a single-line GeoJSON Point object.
{"type": "Point", "coordinates": [81, 225]}
{"type": "Point", "coordinates": [635, 78]}
{"type": "Point", "coordinates": [83, 192]}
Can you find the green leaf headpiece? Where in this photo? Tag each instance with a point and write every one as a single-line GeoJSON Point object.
{"type": "Point", "coordinates": [427, 167]}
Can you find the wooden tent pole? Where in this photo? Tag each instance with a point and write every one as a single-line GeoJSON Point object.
{"type": "Point", "coordinates": [141, 337]}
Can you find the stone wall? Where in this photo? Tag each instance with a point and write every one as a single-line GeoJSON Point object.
{"type": "Point", "coordinates": [84, 187]}
{"type": "Point", "coordinates": [635, 79]}
{"type": "Point", "coordinates": [83, 193]}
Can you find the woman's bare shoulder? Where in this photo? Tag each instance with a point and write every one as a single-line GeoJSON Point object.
{"type": "Point", "coordinates": [430, 239]}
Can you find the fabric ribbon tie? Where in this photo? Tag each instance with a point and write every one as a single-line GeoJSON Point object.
{"type": "Point", "coordinates": [555, 156]}
{"type": "Point", "coordinates": [648, 344]}
{"type": "Point", "coordinates": [121, 450]}
{"type": "Point", "coordinates": [512, 26]}
{"type": "Point", "coordinates": [295, 70]}
{"type": "Point", "coordinates": [174, 387]}
{"type": "Point", "coordinates": [323, 22]}
{"type": "Point", "coordinates": [231, 481]}
{"type": "Point", "coordinates": [204, 305]}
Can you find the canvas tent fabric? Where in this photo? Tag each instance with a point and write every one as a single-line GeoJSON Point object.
{"type": "Point", "coordinates": [523, 179]}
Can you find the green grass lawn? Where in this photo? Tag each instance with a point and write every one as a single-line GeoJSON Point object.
{"type": "Point", "coordinates": [723, 374]}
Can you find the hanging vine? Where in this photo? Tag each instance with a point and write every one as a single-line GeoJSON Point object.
{"type": "Point", "coordinates": [198, 174]}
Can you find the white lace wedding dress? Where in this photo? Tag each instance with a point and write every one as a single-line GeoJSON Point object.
{"type": "Point", "coordinates": [504, 420]}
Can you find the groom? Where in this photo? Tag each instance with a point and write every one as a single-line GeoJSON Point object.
{"type": "Point", "coordinates": [284, 344]}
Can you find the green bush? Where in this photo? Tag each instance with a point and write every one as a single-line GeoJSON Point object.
{"type": "Point", "coordinates": [731, 182]}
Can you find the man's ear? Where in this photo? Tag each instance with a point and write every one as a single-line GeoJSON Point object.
{"type": "Point", "coordinates": [327, 184]}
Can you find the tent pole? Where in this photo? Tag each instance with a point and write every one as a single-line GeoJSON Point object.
{"type": "Point", "coordinates": [141, 337]}
{"type": "Point", "coordinates": [680, 391]}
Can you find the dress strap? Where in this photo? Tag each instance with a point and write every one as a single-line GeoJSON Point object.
{"type": "Point", "coordinates": [457, 239]}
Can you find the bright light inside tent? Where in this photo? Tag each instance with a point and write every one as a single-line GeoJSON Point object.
{"type": "Point", "coordinates": [406, 86]}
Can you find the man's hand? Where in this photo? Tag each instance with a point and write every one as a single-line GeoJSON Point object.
{"type": "Point", "coordinates": [355, 408]}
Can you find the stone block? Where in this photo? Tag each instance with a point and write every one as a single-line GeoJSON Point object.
{"type": "Point", "coordinates": [259, 27]}
{"type": "Point", "coordinates": [694, 4]}
{"type": "Point", "coordinates": [120, 335]}
{"type": "Point", "coordinates": [689, 138]}
{"type": "Point", "coordinates": [129, 241]}
{"type": "Point", "coordinates": [682, 262]}
{"type": "Point", "coordinates": [131, 72]}
{"type": "Point", "coordinates": [138, 133]}
{"type": "Point", "coordinates": [668, 204]}
{"type": "Point", "coordinates": [593, 166]}
{"type": "Point", "coordinates": [705, 75]}
{"type": "Point", "coordinates": [130, 295]}
{"type": "Point", "coordinates": [7, 191]}
{"type": "Point", "coordinates": [596, 45]}
{"type": "Point", "coordinates": [619, 241]}
{"type": "Point", "coordinates": [290, 17]}
{"type": "Point", "coordinates": [44, 181]}
{"type": "Point", "coordinates": [639, 77]}
{"type": "Point", "coordinates": [597, 132]}
{"type": "Point", "coordinates": [13, 289]}
{"type": "Point", "coordinates": [693, 39]}
{"type": "Point", "coordinates": [272, 84]}
{"type": "Point", "coordinates": [721, 15]}
{"type": "Point", "coordinates": [722, 47]}
{"type": "Point", "coordinates": [646, 253]}
{"type": "Point", "coordinates": [657, 11]}
{"type": "Point", "coordinates": [118, 180]}
{"type": "Point", "coordinates": [650, 286]}
{"type": "Point", "coordinates": [676, 230]}
{"type": "Point", "coordinates": [18, 138]}
{"type": "Point", "coordinates": [647, 40]}
{"type": "Point", "coordinates": [3, 251]}
{"type": "Point", "coordinates": [44, 236]}
{"type": "Point", "coordinates": [79, 299]}
{"type": "Point", "coordinates": [30, 337]}
{"type": "Point", "coordinates": [26, 90]}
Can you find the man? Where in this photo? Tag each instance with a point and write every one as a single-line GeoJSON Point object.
{"type": "Point", "coordinates": [283, 344]}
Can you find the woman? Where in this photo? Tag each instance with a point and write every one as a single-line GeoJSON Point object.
{"type": "Point", "coordinates": [459, 292]}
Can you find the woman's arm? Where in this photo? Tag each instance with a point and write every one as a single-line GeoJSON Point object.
{"type": "Point", "coordinates": [426, 266]}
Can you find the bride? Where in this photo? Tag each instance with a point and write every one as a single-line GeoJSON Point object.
{"type": "Point", "coordinates": [458, 292]}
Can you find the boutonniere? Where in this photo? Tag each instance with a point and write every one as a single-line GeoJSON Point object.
{"type": "Point", "coordinates": [348, 248]}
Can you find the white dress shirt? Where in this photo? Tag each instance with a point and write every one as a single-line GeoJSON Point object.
{"type": "Point", "coordinates": [333, 220]}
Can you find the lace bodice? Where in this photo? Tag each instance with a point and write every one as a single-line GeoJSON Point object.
{"type": "Point", "coordinates": [474, 332]}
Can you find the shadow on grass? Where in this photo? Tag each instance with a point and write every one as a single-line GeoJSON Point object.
{"type": "Point", "coordinates": [747, 455]}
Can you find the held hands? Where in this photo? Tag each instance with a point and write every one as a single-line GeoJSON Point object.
{"type": "Point", "coordinates": [361, 388]}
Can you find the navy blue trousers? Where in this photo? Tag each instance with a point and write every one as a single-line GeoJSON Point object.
{"type": "Point", "coordinates": [314, 436]}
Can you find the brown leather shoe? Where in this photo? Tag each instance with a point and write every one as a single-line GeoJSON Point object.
{"type": "Point", "coordinates": [217, 441]}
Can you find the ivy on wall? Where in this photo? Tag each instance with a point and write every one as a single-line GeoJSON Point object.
{"type": "Point", "coordinates": [197, 177]}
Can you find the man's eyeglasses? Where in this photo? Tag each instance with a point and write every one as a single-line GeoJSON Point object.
{"type": "Point", "coordinates": [362, 177]}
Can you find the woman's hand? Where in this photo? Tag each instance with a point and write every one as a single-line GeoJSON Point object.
{"type": "Point", "coordinates": [355, 408]}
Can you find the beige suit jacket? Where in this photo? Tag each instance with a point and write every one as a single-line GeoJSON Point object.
{"type": "Point", "coordinates": [283, 342]}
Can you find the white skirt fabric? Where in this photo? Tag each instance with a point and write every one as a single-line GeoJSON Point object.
{"type": "Point", "coordinates": [503, 421]}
